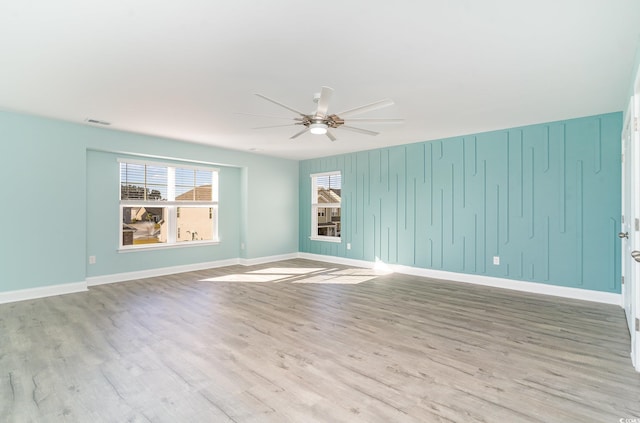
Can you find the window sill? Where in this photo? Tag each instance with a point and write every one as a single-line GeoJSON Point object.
{"type": "Point", "coordinates": [335, 239]}
{"type": "Point", "coordinates": [184, 244]}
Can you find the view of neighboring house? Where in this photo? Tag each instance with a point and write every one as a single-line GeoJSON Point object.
{"type": "Point", "coordinates": [143, 225]}
{"type": "Point", "coordinates": [195, 223]}
{"type": "Point", "coordinates": [329, 217]}
{"type": "Point", "coordinates": [148, 225]}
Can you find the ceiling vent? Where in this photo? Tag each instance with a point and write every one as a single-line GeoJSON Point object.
{"type": "Point", "coordinates": [97, 122]}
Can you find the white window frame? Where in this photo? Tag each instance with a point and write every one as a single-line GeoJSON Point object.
{"type": "Point", "coordinates": [172, 205]}
{"type": "Point", "coordinates": [315, 206]}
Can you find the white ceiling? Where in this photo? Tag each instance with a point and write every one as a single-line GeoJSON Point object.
{"type": "Point", "coordinates": [183, 69]}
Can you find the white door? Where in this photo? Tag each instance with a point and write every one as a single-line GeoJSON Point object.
{"type": "Point", "coordinates": [630, 230]}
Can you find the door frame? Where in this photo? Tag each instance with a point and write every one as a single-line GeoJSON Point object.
{"type": "Point", "coordinates": [630, 222]}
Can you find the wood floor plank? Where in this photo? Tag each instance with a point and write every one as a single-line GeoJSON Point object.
{"type": "Point", "coordinates": [303, 341]}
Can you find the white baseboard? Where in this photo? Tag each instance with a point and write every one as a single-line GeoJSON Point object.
{"type": "Point", "coordinates": [269, 259]}
{"type": "Point", "coordinates": [517, 285]}
{"type": "Point", "coordinates": [524, 286]}
{"type": "Point", "coordinates": [161, 271]}
{"type": "Point", "coordinates": [41, 292]}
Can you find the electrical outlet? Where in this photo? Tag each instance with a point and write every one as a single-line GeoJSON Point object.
{"type": "Point", "coordinates": [92, 259]}
{"type": "Point", "coordinates": [348, 245]}
{"type": "Point", "coordinates": [496, 260]}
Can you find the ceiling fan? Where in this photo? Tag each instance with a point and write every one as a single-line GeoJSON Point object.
{"type": "Point", "coordinates": [320, 122]}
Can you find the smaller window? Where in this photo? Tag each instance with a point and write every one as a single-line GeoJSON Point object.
{"type": "Point", "coordinates": [326, 203]}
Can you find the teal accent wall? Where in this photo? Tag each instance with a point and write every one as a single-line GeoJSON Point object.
{"type": "Point", "coordinates": [544, 198]}
{"type": "Point", "coordinates": [61, 202]}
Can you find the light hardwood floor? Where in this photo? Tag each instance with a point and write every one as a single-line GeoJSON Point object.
{"type": "Point", "coordinates": [305, 341]}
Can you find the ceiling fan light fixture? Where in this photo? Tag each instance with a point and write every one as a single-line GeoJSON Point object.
{"type": "Point", "coordinates": [318, 128]}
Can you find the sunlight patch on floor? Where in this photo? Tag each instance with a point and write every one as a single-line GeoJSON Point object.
{"type": "Point", "coordinates": [306, 275]}
{"type": "Point", "coordinates": [335, 279]}
{"type": "Point", "coordinates": [289, 270]}
{"type": "Point", "coordinates": [246, 277]}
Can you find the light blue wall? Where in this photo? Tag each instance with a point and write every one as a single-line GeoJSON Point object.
{"type": "Point", "coordinates": [59, 195]}
{"type": "Point", "coordinates": [43, 205]}
{"type": "Point", "coordinates": [544, 198]}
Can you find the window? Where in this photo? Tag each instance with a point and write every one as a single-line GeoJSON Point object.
{"type": "Point", "coordinates": [162, 204]}
{"type": "Point", "coordinates": [326, 190]}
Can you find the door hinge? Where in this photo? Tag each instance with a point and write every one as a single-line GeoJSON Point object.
{"type": "Point", "coordinates": [637, 224]}
{"type": "Point", "coordinates": [635, 124]}
{"type": "Point", "coordinates": [637, 325]}
{"type": "Point", "coordinates": [623, 280]}
{"type": "Point", "coordinates": [623, 218]}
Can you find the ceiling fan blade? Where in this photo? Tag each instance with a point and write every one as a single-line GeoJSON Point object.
{"type": "Point", "coordinates": [299, 133]}
{"type": "Point", "coordinates": [374, 120]}
{"type": "Point", "coordinates": [267, 116]}
{"type": "Point", "coordinates": [277, 126]}
{"type": "Point", "coordinates": [280, 104]}
{"type": "Point", "coordinates": [330, 135]}
{"type": "Point", "coordinates": [323, 102]}
{"type": "Point", "coordinates": [366, 108]}
{"type": "Point", "coordinates": [362, 131]}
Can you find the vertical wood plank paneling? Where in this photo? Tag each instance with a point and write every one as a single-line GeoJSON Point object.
{"type": "Point", "coordinates": [507, 216]}
{"type": "Point", "coordinates": [464, 256]}
{"type": "Point", "coordinates": [397, 223]}
{"type": "Point", "coordinates": [431, 181]}
{"type": "Point", "coordinates": [475, 242]}
{"type": "Point", "coordinates": [579, 223]}
{"type": "Point", "coordinates": [453, 206]}
{"type": "Point", "coordinates": [484, 255]}
{"type": "Point", "coordinates": [597, 149]}
{"type": "Point", "coordinates": [475, 156]}
{"type": "Point", "coordinates": [498, 221]}
{"type": "Point", "coordinates": [415, 218]}
{"type": "Point", "coordinates": [563, 180]}
{"type": "Point", "coordinates": [547, 150]}
{"type": "Point", "coordinates": [380, 229]}
{"type": "Point", "coordinates": [425, 161]}
{"type": "Point", "coordinates": [357, 188]}
{"type": "Point", "coordinates": [369, 178]}
{"type": "Point", "coordinates": [430, 252]}
{"type": "Point", "coordinates": [521, 173]}
{"type": "Point", "coordinates": [526, 194]}
{"type": "Point", "coordinates": [547, 252]}
{"type": "Point", "coordinates": [464, 173]}
{"type": "Point", "coordinates": [405, 166]}
{"type": "Point", "coordinates": [441, 227]}
{"type": "Point", "coordinates": [388, 169]}
{"type": "Point", "coordinates": [374, 231]}
{"type": "Point", "coordinates": [413, 171]}
{"type": "Point", "coordinates": [532, 196]}
{"type": "Point", "coordinates": [615, 244]}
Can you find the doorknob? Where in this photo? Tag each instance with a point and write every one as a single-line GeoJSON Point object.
{"type": "Point", "coordinates": [623, 235]}
{"type": "Point", "coordinates": [636, 255]}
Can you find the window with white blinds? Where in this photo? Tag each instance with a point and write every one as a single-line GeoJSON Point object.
{"type": "Point", "coordinates": [326, 202]}
{"type": "Point", "coordinates": [165, 204]}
